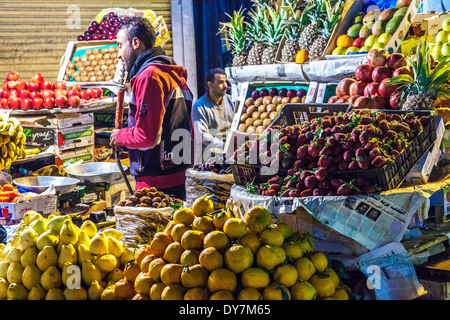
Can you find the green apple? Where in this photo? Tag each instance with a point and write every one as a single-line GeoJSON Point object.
{"type": "Point", "coordinates": [351, 50]}
{"type": "Point", "coordinates": [371, 40]}
{"type": "Point", "coordinates": [446, 25]}
{"type": "Point", "coordinates": [384, 37]}
{"type": "Point", "coordinates": [338, 51]}
{"type": "Point", "coordinates": [365, 49]}
{"type": "Point", "coordinates": [378, 45]}
{"type": "Point", "coordinates": [446, 49]}
{"type": "Point", "coordinates": [436, 52]}
{"type": "Point", "coordinates": [442, 36]}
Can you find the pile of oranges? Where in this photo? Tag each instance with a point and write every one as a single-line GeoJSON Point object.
{"type": "Point", "coordinates": [204, 254]}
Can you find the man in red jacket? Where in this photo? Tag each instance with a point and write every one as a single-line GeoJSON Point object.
{"type": "Point", "coordinates": [160, 104]}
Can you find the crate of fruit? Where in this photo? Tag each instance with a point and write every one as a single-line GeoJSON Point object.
{"type": "Point", "coordinates": [378, 147]}
{"type": "Point", "coordinates": [89, 62]}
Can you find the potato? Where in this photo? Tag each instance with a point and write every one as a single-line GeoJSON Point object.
{"type": "Point", "coordinates": [256, 114]}
{"type": "Point", "coordinates": [271, 108]}
{"type": "Point", "coordinates": [273, 115]}
{"type": "Point", "coordinates": [251, 130]}
{"type": "Point", "coordinates": [71, 65]}
{"type": "Point", "coordinates": [258, 102]}
{"type": "Point", "coordinates": [244, 117]}
{"type": "Point", "coordinates": [251, 109]}
{"type": "Point", "coordinates": [106, 73]}
{"type": "Point", "coordinates": [91, 57]}
{"type": "Point", "coordinates": [107, 78]}
{"type": "Point", "coordinates": [96, 51]}
{"type": "Point", "coordinates": [109, 61]}
{"type": "Point", "coordinates": [276, 100]}
{"type": "Point", "coordinates": [76, 59]}
{"type": "Point", "coordinates": [285, 100]}
{"type": "Point", "coordinates": [93, 79]}
{"type": "Point", "coordinates": [111, 49]}
{"type": "Point", "coordinates": [101, 62]}
{"type": "Point", "coordinates": [267, 100]}
{"type": "Point", "coordinates": [249, 122]}
{"type": "Point", "coordinates": [84, 79]}
{"type": "Point", "coordinates": [249, 102]}
{"type": "Point", "coordinates": [94, 63]}
{"type": "Point", "coordinates": [264, 115]}
{"type": "Point", "coordinates": [107, 56]}
{"type": "Point", "coordinates": [259, 129]}
{"type": "Point", "coordinates": [257, 123]}
{"type": "Point", "coordinates": [104, 50]}
{"type": "Point", "coordinates": [267, 122]}
{"type": "Point", "coordinates": [98, 56]}
{"type": "Point", "coordinates": [242, 127]}
{"type": "Point", "coordinates": [279, 107]}
{"type": "Point", "coordinates": [262, 108]}
{"type": "Point", "coordinates": [89, 52]}
{"type": "Point", "coordinates": [100, 78]}
{"type": "Point", "coordinates": [296, 100]}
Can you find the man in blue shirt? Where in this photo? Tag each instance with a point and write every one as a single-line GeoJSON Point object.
{"type": "Point", "coordinates": [212, 115]}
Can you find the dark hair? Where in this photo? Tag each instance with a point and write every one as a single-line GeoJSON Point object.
{"type": "Point", "coordinates": [140, 28]}
{"type": "Point", "coordinates": [212, 73]}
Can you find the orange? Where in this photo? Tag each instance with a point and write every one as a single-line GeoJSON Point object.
{"type": "Point", "coordinates": [344, 41]}
{"type": "Point", "coordinates": [211, 259]}
{"type": "Point", "coordinates": [302, 56]}
{"type": "Point", "coordinates": [171, 273]}
{"type": "Point", "coordinates": [142, 253]}
{"type": "Point", "coordinates": [131, 271]}
{"type": "Point", "coordinates": [196, 294]}
{"type": "Point", "coordinates": [159, 243]}
{"type": "Point", "coordinates": [173, 252]}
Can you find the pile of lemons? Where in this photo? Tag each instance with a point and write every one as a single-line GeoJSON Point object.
{"type": "Point", "coordinates": [54, 259]}
{"type": "Point", "coordinates": [204, 254]}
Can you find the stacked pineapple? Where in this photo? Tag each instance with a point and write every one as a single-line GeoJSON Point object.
{"type": "Point", "coordinates": [53, 259]}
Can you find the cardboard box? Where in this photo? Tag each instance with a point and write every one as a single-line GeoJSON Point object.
{"type": "Point", "coordinates": [409, 45]}
{"type": "Point", "coordinates": [72, 156]}
{"type": "Point", "coordinates": [429, 24]}
{"type": "Point", "coordinates": [14, 211]}
{"type": "Point", "coordinates": [420, 172]}
{"type": "Point", "coordinates": [67, 138]}
{"type": "Point", "coordinates": [57, 121]}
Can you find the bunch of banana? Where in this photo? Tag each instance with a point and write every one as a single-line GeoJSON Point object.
{"type": "Point", "coordinates": [12, 141]}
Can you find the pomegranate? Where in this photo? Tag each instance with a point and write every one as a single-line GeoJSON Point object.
{"type": "Point", "coordinates": [396, 60]}
{"type": "Point", "coordinates": [377, 57]}
{"type": "Point", "coordinates": [357, 88]}
{"type": "Point", "coordinates": [402, 70]}
{"type": "Point", "coordinates": [352, 99]}
{"type": "Point", "coordinates": [394, 100]}
{"type": "Point", "coordinates": [343, 87]}
{"type": "Point", "coordinates": [371, 89]}
{"type": "Point", "coordinates": [333, 99]}
{"type": "Point", "coordinates": [363, 72]}
{"type": "Point", "coordinates": [379, 102]}
{"type": "Point", "coordinates": [386, 90]}
{"type": "Point", "coordinates": [364, 103]}
{"type": "Point", "coordinates": [380, 73]}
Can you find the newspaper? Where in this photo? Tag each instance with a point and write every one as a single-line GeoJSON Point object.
{"type": "Point", "coordinates": [390, 273]}
{"type": "Point", "coordinates": [370, 220]}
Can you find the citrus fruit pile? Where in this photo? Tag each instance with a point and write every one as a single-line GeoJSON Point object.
{"type": "Point", "coordinates": [204, 254]}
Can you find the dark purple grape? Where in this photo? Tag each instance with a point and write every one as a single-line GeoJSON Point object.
{"type": "Point", "coordinates": [95, 36]}
{"type": "Point", "coordinates": [282, 92]}
{"type": "Point", "coordinates": [291, 93]}
{"type": "Point", "coordinates": [104, 37]}
{"type": "Point", "coordinates": [91, 29]}
{"type": "Point", "coordinates": [273, 92]}
{"type": "Point", "coordinates": [80, 38]}
{"type": "Point", "coordinates": [94, 24]}
{"type": "Point", "coordinates": [301, 93]}
{"type": "Point", "coordinates": [255, 94]}
{"type": "Point", "coordinates": [88, 37]}
{"type": "Point", "coordinates": [264, 92]}
{"type": "Point", "coordinates": [86, 33]}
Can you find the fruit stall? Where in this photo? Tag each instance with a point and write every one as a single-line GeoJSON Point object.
{"type": "Point", "coordinates": [333, 183]}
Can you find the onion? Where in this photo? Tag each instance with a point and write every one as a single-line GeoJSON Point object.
{"type": "Point", "coordinates": [89, 52]}
{"type": "Point", "coordinates": [71, 65]}
{"type": "Point", "coordinates": [91, 29]}
{"type": "Point", "coordinates": [107, 78]}
{"type": "Point", "coordinates": [86, 33]}
{"type": "Point", "coordinates": [96, 51]}
{"type": "Point", "coordinates": [97, 67]}
{"type": "Point", "coordinates": [100, 78]}
{"type": "Point", "coordinates": [83, 73]}
{"type": "Point", "coordinates": [91, 57]}
{"type": "Point", "coordinates": [84, 58]}
{"type": "Point", "coordinates": [85, 79]}
{"type": "Point", "coordinates": [93, 79]}
{"type": "Point", "coordinates": [106, 73]}
{"type": "Point", "coordinates": [104, 67]}
{"type": "Point", "coordinates": [112, 37]}
{"type": "Point", "coordinates": [104, 50]}
{"type": "Point", "coordinates": [77, 78]}
{"type": "Point", "coordinates": [76, 59]}
{"type": "Point", "coordinates": [94, 63]}
{"type": "Point", "coordinates": [111, 49]}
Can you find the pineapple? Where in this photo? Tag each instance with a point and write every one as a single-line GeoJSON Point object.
{"type": "Point", "coordinates": [274, 26]}
{"type": "Point", "coordinates": [428, 85]}
{"type": "Point", "coordinates": [310, 32]}
{"type": "Point", "coordinates": [292, 32]}
{"type": "Point", "coordinates": [255, 35]}
{"type": "Point", "coordinates": [236, 36]}
{"type": "Point", "coordinates": [328, 24]}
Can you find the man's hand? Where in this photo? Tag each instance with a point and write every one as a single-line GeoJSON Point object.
{"type": "Point", "coordinates": [112, 139]}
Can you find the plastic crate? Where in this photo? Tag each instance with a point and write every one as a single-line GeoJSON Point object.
{"type": "Point", "coordinates": [391, 175]}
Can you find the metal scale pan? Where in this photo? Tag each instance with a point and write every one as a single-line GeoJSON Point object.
{"type": "Point", "coordinates": [95, 172]}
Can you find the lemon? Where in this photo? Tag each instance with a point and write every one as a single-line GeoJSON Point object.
{"type": "Point", "coordinates": [184, 216]}
{"type": "Point", "coordinates": [284, 228]}
{"type": "Point", "coordinates": [220, 218]}
{"type": "Point", "coordinates": [251, 240]}
{"type": "Point", "coordinates": [249, 294]}
{"type": "Point", "coordinates": [216, 239]}
{"type": "Point", "coordinates": [324, 285]}
{"type": "Point", "coordinates": [276, 292]}
{"type": "Point", "coordinates": [171, 273]}
{"type": "Point", "coordinates": [320, 261]}
{"type": "Point", "coordinates": [155, 267]}
{"type": "Point", "coordinates": [203, 223]}
{"type": "Point", "coordinates": [196, 294]}
{"type": "Point", "coordinates": [286, 275]}
{"type": "Point", "coordinates": [235, 228]}
{"type": "Point", "coordinates": [303, 290]}
{"type": "Point", "coordinates": [202, 206]}
{"type": "Point", "coordinates": [177, 231]}
{"type": "Point", "coordinates": [211, 259]}
{"type": "Point", "coordinates": [173, 252]}
{"type": "Point", "coordinates": [272, 236]}
{"type": "Point", "coordinates": [340, 294]}
{"type": "Point", "coordinates": [293, 250]}
{"type": "Point", "coordinates": [269, 256]}
{"type": "Point", "coordinates": [189, 257]}
{"type": "Point", "coordinates": [222, 279]}
{"type": "Point", "coordinates": [192, 239]}
{"type": "Point", "coordinates": [305, 268]}
{"type": "Point", "coordinates": [222, 295]}
{"type": "Point", "coordinates": [258, 218]}
{"type": "Point", "coordinates": [156, 291]}
{"type": "Point", "coordinates": [172, 292]}
{"type": "Point", "coordinates": [238, 258]}
{"type": "Point", "coordinates": [255, 278]}
{"type": "Point", "coordinates": [194, 276]}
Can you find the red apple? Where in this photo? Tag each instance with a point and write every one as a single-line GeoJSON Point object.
{"type": "Point", "coordinates": [73, 92]}
{"type": "Point", "coordinates": [379, 102]}
{"type": "Point", "coordinates": [11, 85]}
{"type": "Point", "coordinates": [14, 103]}
{"type": "Point", "coordinates": [13, 93]}
{"type": "Point", "coordinates": [47, 85]}
{"type": "Point", "coordinates": [37, 78]}
{"type": "Point", "coordinates": [377, 57]}
{"type": "Point", "coordinates": [359, 42]}
{"type": "Point", "coordinates": [60, 92]}
{"type": "Point", "coordinates": [396, 60]}
{"type": "Point", "coordinates": [4, 103]}
{"type": "Point", "coordinates": [402, 70]}
{"type": "Point", "coordinates": [84, 95]}
{"type": "Point", "coordinates": [12, 76]}
{"type": "Point", "coordinates": [25, 104]}
{"type": "Point", "coordinates": [394, 100]}
{"type": "Point", "coordinates": [332, 99]}
{"type": "Point", "coordinates": [352, 99]}
{"type": "Point", "coordinates": [49, 102]}
{"type": "Point", "coordinates": [20, 84]}
{"type": "Point", "coordinates": [32, 86]}
{"type": "Point", "coordinates": [47, 93]}
{"type": "Point", "coordinates": [74, 101]}
{"type": "Point", "coordinates": [61, 102]}
{"type": "Point", "coordinates": [363, 72]}
{"type": "Point", "coordinates": [35, 94]}
{"type": "Point", "coordinates": [343, 87]}
{"type": "Point", "coordinates": [60, 85]}
{"type": "Point", "coordinates": [363, 103]}
{"type": "Point", "coordinates": [380, 73]}
{"type": "Point", "coordinates": [37, 103]}
{"type": "Point", "coordinates": [5, 84]}
{"type": "Point", "coordinates": [371, 89]}
{"type": "Point", "coordinates": [4, 93]}
{"type": "Point", "coordinates": [76, 87]}
{"type": "Point", "coordinates": [99, 92]}
{"type": "Point", "coordinates": [357, 88]}
{"type": "Point", "coordinates": [23, 93]}
{"type": "Point", "coordinates": [91, 92]}
{"type": "Point", "coordinates": [386, 91]}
